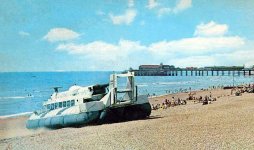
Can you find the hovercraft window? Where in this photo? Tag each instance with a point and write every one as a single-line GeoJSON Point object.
{"type": "Point", "coordinates": [87, 100]}
{"type": "Point", "coordinates": [68, 103]}
{"type": "Point", "coordinates": [64, 104]}
{"type": "Point", "coordinates": [56, 105]}
{"type": "Point", "coordinates": [72, 102]}
{"type": "Point", "coordinates": [60, 104]}
{"type": "Point", "coordinates": [52, 106]}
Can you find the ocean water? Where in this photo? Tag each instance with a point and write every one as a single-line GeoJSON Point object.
{"type": "Point", "coordinates": [24, 92]}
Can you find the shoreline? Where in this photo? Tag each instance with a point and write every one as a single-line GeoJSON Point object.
{"type": "Point", "coordinates": [23, 114]}
{"type": "Point", "coordinates": [190, 126]}
{"type": "Point", "coordinates": [16, 115]}
{"type": "Point", "coordinates": [13, 126]}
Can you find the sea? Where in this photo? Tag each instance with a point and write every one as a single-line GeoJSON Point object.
{"type": "Point", "coordinates": [24, 92]}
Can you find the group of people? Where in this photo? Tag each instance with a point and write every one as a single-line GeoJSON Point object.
{"type": "Point", "coordinates": [175, 102]}
{"type": "Point", "coordinates": [205, 100]}
{"type": "Point", "coordinates": [238, 90]}
{"type": "Point", "coordinates": [169, 103]}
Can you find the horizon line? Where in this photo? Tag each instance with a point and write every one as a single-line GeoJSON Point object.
{"type": "Point", "coordinates": [58, 71]}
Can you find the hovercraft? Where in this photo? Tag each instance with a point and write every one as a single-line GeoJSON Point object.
{"type": "Point", "coordinates": [79, 105]}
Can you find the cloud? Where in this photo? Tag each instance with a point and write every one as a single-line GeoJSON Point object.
{"type": "Point", "coordinates": [180, 6]}
{"type": "Point", "coordinates": [152, 4]}
{"type": "Point", "coordinates": [60, 34]}
{"type": "Point", "coordinates": [195, 61]}
{"type": "Point", "coordinates": [227, 59]}
{"type": "Point", "coordinates": [163, 11]}
{"type": "Point", "coordinates": [101, 55]}
{"type": "Point", "coordinates": [211, 29]}
{"type": "Point", "coordinates": [192, 51]}
{"type": "Point", "coordinates": [239, 57]}
{"type": "Point", "coordinates": [102, 50]}
{"type": "Point", "coordinates": [196, 45]}
{"type": "Point", "coordinates": [126, 18]}
{"type": "Point", "coordinates": [198, 49]}
{"type": "Point", "coordinates": [130, 3]}
{"type": "Point", "coordinates": [22, 33]}
{"type": "Point", "coordinates": [209, 38]}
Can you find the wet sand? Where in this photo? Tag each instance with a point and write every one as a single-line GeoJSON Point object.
{"type": "Point", "coordinates": [227, 123]}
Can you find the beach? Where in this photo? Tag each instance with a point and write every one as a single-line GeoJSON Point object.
{"type": "Point", "coordinates": [226, 123]}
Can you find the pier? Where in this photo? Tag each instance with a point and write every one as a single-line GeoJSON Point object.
{"type": "Point", "coordinates": [167, 70]}
{"type": "Point", "coordinates": [184, 72]}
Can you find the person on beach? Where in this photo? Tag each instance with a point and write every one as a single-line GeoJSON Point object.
{"type": "Point", "coordinates": [169, 103]}
{"type": "Point", "coordinates": [173, 102]}
{"type": "Point", "coordinates": [165, 101]}
{"type": "Point", "coordinates": [205, 101]}
{"type": "Point", "coordinates": [178, 101]}
{"type": "Point", "coordinates": [165, 106]}
{"type": "Point", "coordinates": [232, 90]}
{"type": "Point", "coordinates": [185, 102]}
{"type": "Point", "coordinates": [153, 107]}
{"type": "Point", "coordinates": [189, 96]}
{"type": "Point", "coordinates": [251, 89]}
{"type": "Point", "coordinates": [200, 99]}
{"type": "Point", "coordinates": [158, 106]}
{"type": "Point", "coordinates": [214, 99]}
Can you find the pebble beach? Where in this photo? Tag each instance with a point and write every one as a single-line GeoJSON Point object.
{"type": "Point", "coordinates": [227, 123]}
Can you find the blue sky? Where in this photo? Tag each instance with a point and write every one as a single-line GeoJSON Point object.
{"type": "Point", "coordinates": [82, 35]}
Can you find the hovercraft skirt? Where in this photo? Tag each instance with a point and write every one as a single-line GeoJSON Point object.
{"type": "Point", "coordinates": [63, 121]}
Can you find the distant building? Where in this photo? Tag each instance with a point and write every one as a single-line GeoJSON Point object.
{"type": "Point", "coordinates": [224, 68]}
{"type": "Point", "coordinates": [191, 68]}
{"type": "Point", "coordinates": [153, 70]}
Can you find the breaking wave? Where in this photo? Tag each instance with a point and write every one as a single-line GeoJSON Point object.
{"type": "Point", "coordinates": [16, 97]}
{"type": "Point", "coordinates": [16, 115]}
{"type": "Point", "coordinates": [142, 85]}
{"type": "Point", "coordinates": [171, 83]}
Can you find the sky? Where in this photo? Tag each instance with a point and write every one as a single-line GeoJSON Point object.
{"type": "Point", "coordinates": [114, 35]}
